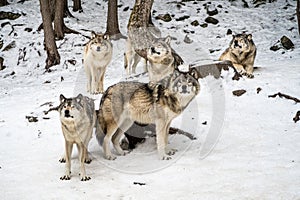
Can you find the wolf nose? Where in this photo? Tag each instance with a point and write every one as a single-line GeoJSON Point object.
{"type": "Point", "coordinates": [152, 50]}
{"type": "Point", "coordinates": [184, 87]}
{"type": "Point", "coordinates": [98, 48]}
{"type": "Point", "coordinates": [236, 43]}
{"type": "Point", "coordinates": [67, 113]}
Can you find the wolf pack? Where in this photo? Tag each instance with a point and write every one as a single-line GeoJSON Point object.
{"type": "Point", "coordinates": [164, 97]}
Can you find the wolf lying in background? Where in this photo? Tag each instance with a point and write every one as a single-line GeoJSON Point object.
{"type": "Point", "coordinates": [241, 53]}
{"type": "Point", "coordinates": [97, 55]}
{"type": "Point", "coordinates": [77, 116]}
{"type": "Point", "coordinates": [127, 102]}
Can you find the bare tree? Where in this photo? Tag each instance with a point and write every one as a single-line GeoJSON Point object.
{"type": "Point", "coordinates": [77, 6]}
{"type": "Point", "coordinates": [112, 23]}
{"type": "Point", "coordinates": [59, 26]}
{"type": "Point", "coordinates": [298, 14]}
{"type": "Point", "coordinates": [53, 57]}
{"type": "Point", "coordinates": [59, 19]}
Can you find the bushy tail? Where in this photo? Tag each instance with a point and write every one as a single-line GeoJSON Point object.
{"type": "Point", "coordinates": [99, 129]}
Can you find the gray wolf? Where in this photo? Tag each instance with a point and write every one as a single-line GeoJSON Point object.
{"type": "Point", "coordinates": [241, 53]}
{"type": "Point", "coordinates": [77, 116]}
{"type": "Point", "coordinates": [140, 46]}
{"type": "Point", "coordinates": [96, 57]}
{"type": "Point", "coordinates": [131, 58]}
{"type": "Point", "coordinates": [127, 102]}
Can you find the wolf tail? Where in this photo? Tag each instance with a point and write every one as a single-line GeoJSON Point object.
{"type": "Point", "coordinates": [99, 128]}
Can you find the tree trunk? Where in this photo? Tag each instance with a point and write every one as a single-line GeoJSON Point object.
{"type": "Point", "coordinates": [138, 25]}
{"type": "Point", "coordinates": [59, 19]}
{"type": "Point", "coordinates": [53, 57]}
{"type": "Point", "coordinates": [112, 23]}
{"type": "Point", "coordinates": [3, 3]}
{"type": "Point", "coordinates": [67, 12]}
{"type": "Point", "coordinates": [77, 6]}
{"type": "Point", "coordinates": [59, 26]}
{"type": "Point", "coordinates": [298, 14]}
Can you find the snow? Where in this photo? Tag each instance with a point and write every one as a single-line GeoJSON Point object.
{"type": "Point", "coordinates": [249, 148]}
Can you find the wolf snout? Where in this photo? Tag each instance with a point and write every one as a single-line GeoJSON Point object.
{"type": "Point", "coordinates": [98, 48]}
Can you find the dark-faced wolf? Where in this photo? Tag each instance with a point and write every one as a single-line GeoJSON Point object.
{"type": "Point", "coordinates": [241, 52]}
{"type": "Point", "coordinates": [127, 102]}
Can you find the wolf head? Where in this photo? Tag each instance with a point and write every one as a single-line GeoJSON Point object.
{"type": "Point", "coordinates": [100, 43]}
{"type": "Point", "coordinates": [70, 108]}
{"type": "Point", "coordinates": [185, 83]}
{"type": "Point", "coordinates": [160, 51]}
{"type": "Point", "coordinates": [241, 43]}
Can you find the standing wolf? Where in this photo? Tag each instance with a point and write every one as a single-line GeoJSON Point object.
{"type": "Point", "coordinates": [77, 116]}
{"type": "Point", "coordinates": [241, 53]}
{"type": "Point", "coordinates": [127, 102]}
{"type": "Point", "coordinates": [97, 55]}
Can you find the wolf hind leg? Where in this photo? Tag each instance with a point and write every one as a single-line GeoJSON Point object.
{"type": "Point", "coordinates": [136, 60]}
{"type": "Point", "coordinates": [118, 135]}
{"type": "Point", "coordinates": [106, 142]}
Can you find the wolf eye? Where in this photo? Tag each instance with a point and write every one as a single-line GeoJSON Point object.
{"type": "Point", "coordinates": [72, 106]}
{"type": "Point", "coordinates": [65, 106]}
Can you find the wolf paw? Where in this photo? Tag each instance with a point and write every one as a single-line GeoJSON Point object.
{"type": "Point", "coordinates": [65, 177]}
{"type": "Point", "coordinates": [85, 178]}
{"type": "Point", "coordinates": [166, 158]}
{"type": "Point", "coordinates": [248, 75]}
{"type": "Point", "coordinates": [110, 157]}
{"type": "Point", "coordinates": [87, 160]}
{"type": "Point", "coordinates": [171, 152]}
{"type": "Point", "coordinates": [62, 160]}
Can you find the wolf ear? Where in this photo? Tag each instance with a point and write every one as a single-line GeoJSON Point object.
{"type": "Point", "coordinates": [249, 36]}
{"type": "Point", "coordinates": [168, 40]}
{"type": "Point", "coordinates": [79, 98]}
{"type": "Point", "coordinates": [194, 73]}
{"type": "Point", "coordinates": [106, 37]}
{"type": "Point", "coordinates": [93, 35]}
{"type": "Point", "coordinates": [62, 98]}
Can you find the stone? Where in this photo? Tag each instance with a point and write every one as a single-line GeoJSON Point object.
{"type": "Point", "coordinates": [211, 20]}
{"type": "Point", "coordinates": [164, 17]}
{"type": "Point", "coordinates": [286, 43]}
{"type": "Point", "coordinates": [9, 15]}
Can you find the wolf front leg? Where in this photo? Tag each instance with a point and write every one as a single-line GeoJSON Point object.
{"type": "Point", "coordinates": [101, 72]}
{"type": "Point", "coordinates": [68, 147]}
{"type": "Point", "coordinates": [94, 82]}
{"type": "Point", "coordinates": [161, 134]}
{"type": "Point", "coordinates": [82, 154]}
{"type": "Point", "coordinates": [106, 142]}
{"type": "Point", "coordinates": [89, 77]}
{"type": "Point", "coordinates": [168, 150]}
{"type": "Point", "coordinates": [249, 71]}
{"type": "Point", "coordinates": [239, 68]}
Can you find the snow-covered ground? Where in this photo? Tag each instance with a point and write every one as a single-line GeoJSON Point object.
{"type": "Point", "coordinates": [249, 147]}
